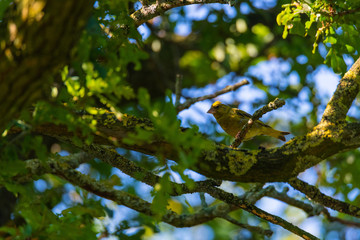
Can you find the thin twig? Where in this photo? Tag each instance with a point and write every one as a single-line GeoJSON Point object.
{"type": "Point", "coordinates": [178, 86]}
{"type": "Point", "coordinates": [253, 229]}
{"type": "Point", "coordinates": [227, 89]}
{"type": "Point", "coordinates": [306, 207]}
{"type": "Point", "coordinates": [256, 193]}
{"type": "Point", "coordinates": [342, 221]}
{"type": "Point", "coordinates": [157, 8]}
{"type": "Point", "coordinates": [277, 103]}
{"type": "Point", "coordinates": [314, 194]}
{"type": "Point", "coordinates": [203, 201]}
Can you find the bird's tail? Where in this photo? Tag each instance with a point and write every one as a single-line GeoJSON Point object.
{"type": "Point", "coordinates": [277, 134]}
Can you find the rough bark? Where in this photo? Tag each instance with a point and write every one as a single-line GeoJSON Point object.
{"type": "Point", "coordinates": [36, 41]}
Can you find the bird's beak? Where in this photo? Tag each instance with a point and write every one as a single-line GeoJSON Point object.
{"type": "Point", "coordinates": [211, 110]}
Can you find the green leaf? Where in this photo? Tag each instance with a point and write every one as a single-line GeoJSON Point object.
{"type": "Point", "coordinates": [335, 61]}
{"type": "Point", "coordinates": [349, 48]}
{"type": "Point", "coordinates": [161, 196]}
{"type": "Point", "coordinates": [338, 64]}
{"type": "Point", "coordinates": [12, 167]}
{"type": "Point", "coordinates": [144, 98]}
{"type": "Point", "coordinates": [9, 230]}
{"type": "Point", "coordinates": [297, 28]}
{"type": "Point", "coordinates": [331, 39]}
{"type": "Point", "coordinates": [4, 4]}
{"type": "Point", "coordinates": [84, 210]}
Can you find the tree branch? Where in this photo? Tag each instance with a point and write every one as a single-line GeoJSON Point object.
{"type": "Point", "coordinates": [64, 169]}
{"type": "Point", "coordinates": [66, 172]}
{"type": "Point", "coordinates": [227, 89]}
{"type": "Point", "coordinates": [343, 97]}
{"type": "Point", "coordinates": [178, 87]}
{"type": "Point", "coordinates": [306, 207]}
{"type": "Point", "coordinates": [111, 157]}
{"type": "Point", "coordinates": [36, 168]}
{"type": "Point", "coordinates": [339, 220]}
{"type": "Point", "coordinates": [314, 194]}
{"type": "Point", "coordinates": [157, 8]}
{"type": "Point", "coordinates": [239, 202]}
{"type": "Point", "coordinates": [253, 229]}
{"type": "Point", "coordinates": [219, 161]}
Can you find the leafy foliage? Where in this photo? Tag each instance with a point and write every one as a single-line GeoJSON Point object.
{"type": "Point", "coordinates": [333, 23]}
{"type": "Point", "coordinates": [116, 69]}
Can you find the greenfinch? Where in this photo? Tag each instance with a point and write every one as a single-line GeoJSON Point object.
{"type": "Point", "coordinates": [232, 120]}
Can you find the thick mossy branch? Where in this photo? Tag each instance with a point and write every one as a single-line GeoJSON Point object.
{"type": "Point", "coordinates": [28, 59]}
{"type": "Point", "coordinates": [344, 95]}
{"type": "Point", "coordinates": [222, 162]}
{"type": "Point", "coordinates": [37, 168]}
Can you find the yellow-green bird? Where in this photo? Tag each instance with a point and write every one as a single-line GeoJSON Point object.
{"type": "Point", "coordinates": [232, 120]}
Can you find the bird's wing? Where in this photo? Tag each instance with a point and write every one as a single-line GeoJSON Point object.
{"type": "Point", "coordinates": [243, 114]}
{"type": "Point", "coordinates": [246, 115]}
